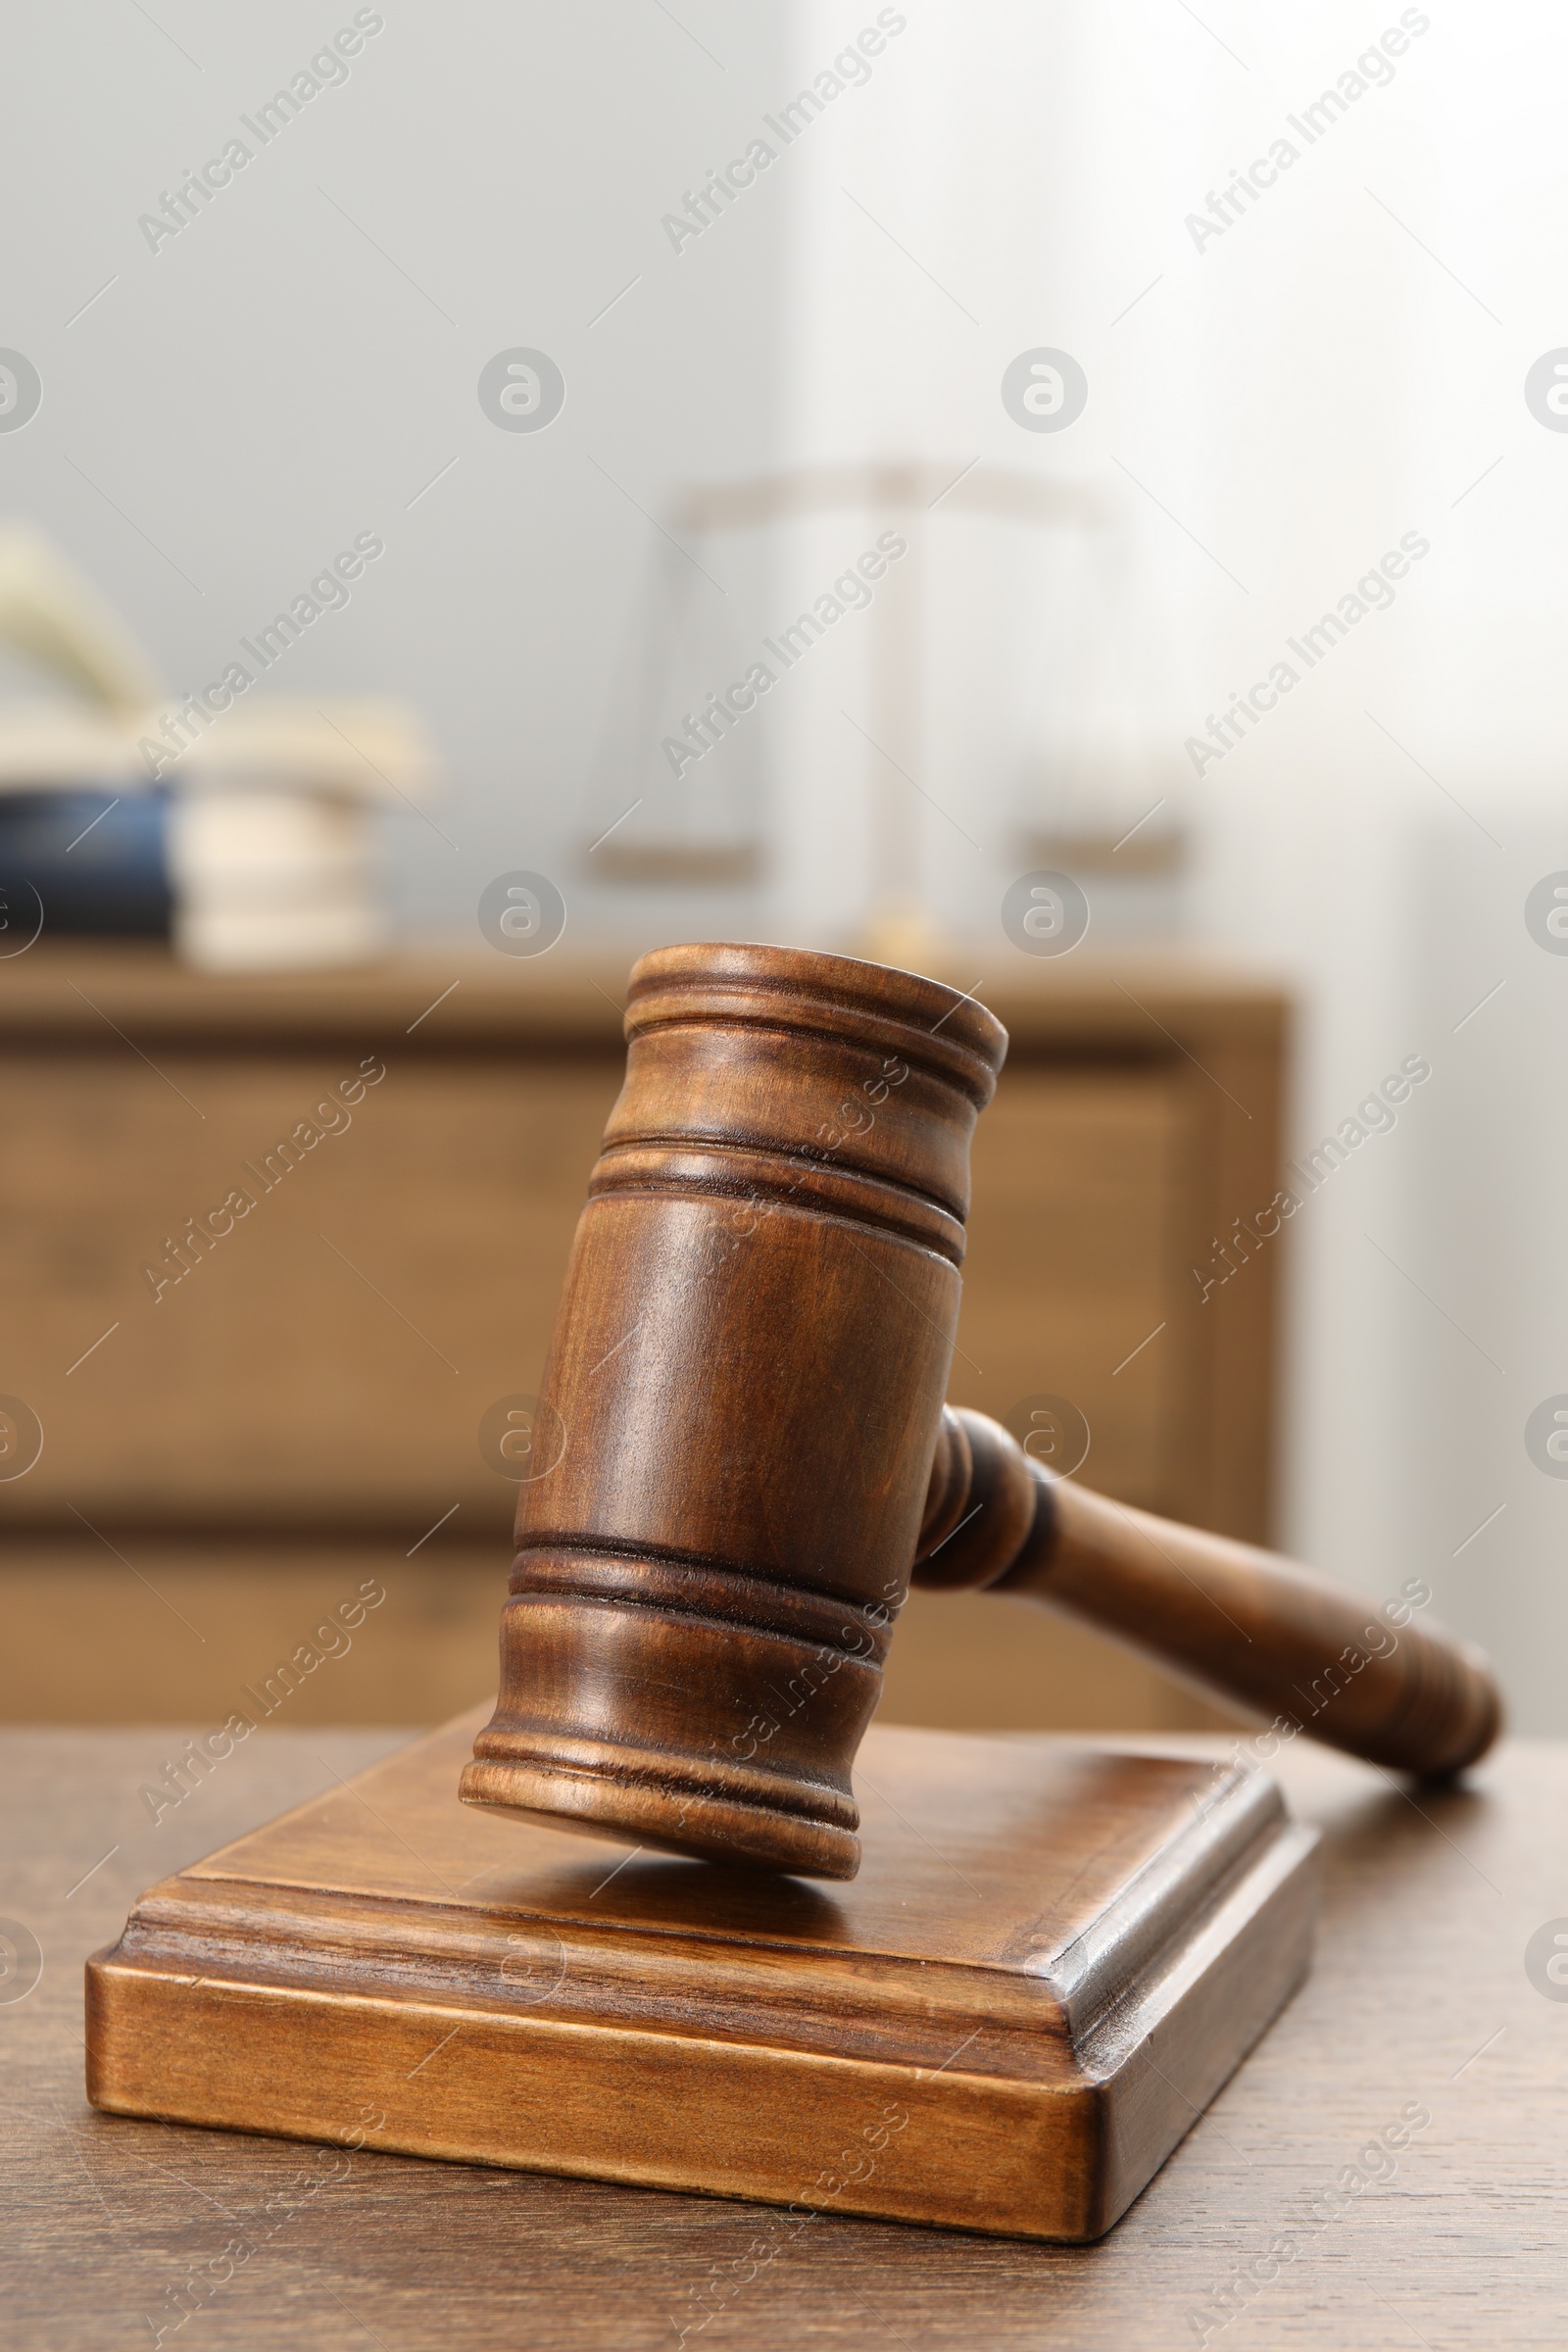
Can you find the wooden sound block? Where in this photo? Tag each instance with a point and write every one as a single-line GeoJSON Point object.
{"type": "Point", "coordinates": [1051, 1961]}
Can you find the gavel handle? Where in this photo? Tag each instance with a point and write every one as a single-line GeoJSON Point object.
{"type": "Point", "coordinates": [1252, 1628]}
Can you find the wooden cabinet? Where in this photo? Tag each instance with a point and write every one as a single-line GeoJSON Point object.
{"type": "Point", "coordinates": [396, 1159]}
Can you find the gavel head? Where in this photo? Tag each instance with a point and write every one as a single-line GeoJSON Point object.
{"type": "Point", "coordinates": [741, 1408]}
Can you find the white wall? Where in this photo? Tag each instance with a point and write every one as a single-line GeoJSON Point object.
{"type": "Point", "coordinates": [258, 388]}
{"type": "Point", "coordinates": [1296, 394]}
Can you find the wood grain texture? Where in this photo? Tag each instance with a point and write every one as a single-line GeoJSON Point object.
{"type": "Point", "coordinates": [1079, 1175]}
{"type": "Point", "coordinates": [961, 1663]}
{"type": "Point", "coordinates": [740, 1451]}
{"type": "Point", "coordinates": [285, 1394]}
{"type": "Point", "coordinates": [1418, 1995]}
{"type": "Point", "coordinates": [325, 1365]}
{"type": "Point", "coordinates": [740, 1406]}
{"type": "Point", "coordinates": [984, 2032]}
{"type": "Point", "coordinates": [1069, 1004]}
{"type": "Point", "coordinates": [1302, 1651]}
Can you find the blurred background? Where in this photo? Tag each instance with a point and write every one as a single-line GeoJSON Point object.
{"type": "Point", "coordinates": [1117, 459]}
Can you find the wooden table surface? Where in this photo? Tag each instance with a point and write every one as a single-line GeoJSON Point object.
{"type": "Point", "coordinates": [1263, 2229]}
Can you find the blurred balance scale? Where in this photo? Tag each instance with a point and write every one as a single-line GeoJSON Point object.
{"type": "Point", "coordinates": [249, 833]}
{"type": "Point", "coordinates": [1065, 616]}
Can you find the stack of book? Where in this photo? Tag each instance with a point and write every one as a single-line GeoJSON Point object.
{"type": "Point", "coordinates": [274, 848]}
{"type": "Point", "coordinates": [250, 833]}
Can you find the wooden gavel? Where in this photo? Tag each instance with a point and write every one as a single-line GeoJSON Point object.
{"type": "Point", "coordinates": [751, 1459]}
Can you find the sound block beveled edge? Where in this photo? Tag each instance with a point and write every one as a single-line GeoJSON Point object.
{"type": "Point", "coordinates": [717, 2032]}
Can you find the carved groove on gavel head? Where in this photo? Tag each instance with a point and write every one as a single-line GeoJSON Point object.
{"type": "Point", "coordinates": [748, 1363]}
